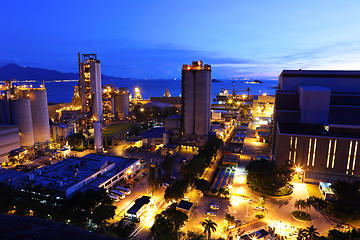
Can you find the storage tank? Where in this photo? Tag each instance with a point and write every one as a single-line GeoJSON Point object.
{"type": "Point", "coordinates": [39, 114]}
{"type": "Point", "coordinates": [21, 114]}
{"type": "Point", "coordinates": [121, 101]}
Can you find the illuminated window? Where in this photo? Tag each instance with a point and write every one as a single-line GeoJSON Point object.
{"type": "Point", "coordinates": [328, 156]}
{"type": "Point", "coordinates": [295, 143]}
{"type": "Point", "coordinates": [333, 158]}
{"type": "Point", "coordinates": [314, 152]}
{"type": "Point", "coordinates": [290, 155]}
{"type": "Point", "coordinates": [349, 156]}
{"type": "Point", "coordinates": [294, 157]}
{"type": "Point", "coordinates": [309, 152]}
{"type": "Point", "coordinates": [291, 139]}
{"type": "Point", "coordinates": [355, 152]}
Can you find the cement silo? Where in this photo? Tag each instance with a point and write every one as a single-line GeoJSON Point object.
{"type": "Point", "coordinates": [188, 101]}
{"type": "Point", "coordinates": [39, 113]}
{"type": "Point", "coordinates": [196, 98]}
{"type": "Point", "coordinates": [121, 101]}
{"type": "Point", "coordinates": [202, 103]}
{"type": "Point", "coordinates": [22, 118]}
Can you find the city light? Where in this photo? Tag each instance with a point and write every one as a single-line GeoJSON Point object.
{"type": "Point", "coordinates": [298, 169]}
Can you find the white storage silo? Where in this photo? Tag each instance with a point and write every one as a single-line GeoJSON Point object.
{"type": "Point", "coordinates": [121, 104]}
{"type": "Point", "coordinates": [39, 114]}
{"type": "Point", "coordinates": [21, 115]}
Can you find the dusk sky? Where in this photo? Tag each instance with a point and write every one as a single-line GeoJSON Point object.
{"type": "Point", "coordinates": [152, 39]}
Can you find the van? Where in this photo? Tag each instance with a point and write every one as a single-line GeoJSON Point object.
{"type": "Point", "coordinates": [117, 193]}
{"type": "Point", "coordinates": [115, 198]}
{"type": "Point", "coordinates": [127, 191]}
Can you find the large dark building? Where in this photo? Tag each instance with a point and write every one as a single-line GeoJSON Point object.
{"type": "Point", "coordinates": [317, 123]}
{"type": "Point", "coordinates": [196, 100]}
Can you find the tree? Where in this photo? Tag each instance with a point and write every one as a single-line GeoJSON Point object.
{"type": "Point", "coordinates": [167, 224]}
{"type": "Point", "coordinates": [163, 228]}
{"type": "Point", "coordinates": [102, 213]}
{"type": "Point", "coordinates": [229, 219]}
{"type": "Point", "coordinates": [152, 178]}
{"type": "Point", "coordinates": [76, 141]}
{"type": "Point", "coordinates": [209, 226]}
{"type": "Point", "coordinates": [167, 164]}
{"type": "Point", "coordinates": [224, 192]}
{"type": "Point", "coordinates": [177, 217]}
{"type": "Point", "coordinates": [311, 233]}
{"type": "Point", "coordinates": [159, 177]}
{"type": "Point", "coordinates": [202, 185]}
{"type": "Point", "coordinates": [335, 234]}
{"type": "Point", "coordinates": [194, 236]}
{"type": "Point", "coordinates": [298, 205]}
{"type": "Point", "coordinates": [123, 229]}
{"type": "Point", "coordinates": [265, 176]}
{"type": "Point", "coordinates": [7, 199]}
{"type": "Point", "coordinates": [302, 234]}
{"type": "Point", "coordinates": [176, 191]}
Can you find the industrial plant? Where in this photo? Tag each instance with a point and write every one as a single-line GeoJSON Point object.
{"type": "Point", "coordinates": [26, 109]}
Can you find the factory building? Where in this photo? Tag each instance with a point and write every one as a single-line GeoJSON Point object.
{"type": "Point", "coordinates": [317, 123]}
{"type": "Point", "coordinates": [90, 91]}
{"type": "Point", "coordinates": [26, 108]}
{"type": "Point", "coordinates": [9, 140]}
{"type": "Point", "coordinates": [79, 174]}
{"type": "Point", "coordinates": [196, 100]}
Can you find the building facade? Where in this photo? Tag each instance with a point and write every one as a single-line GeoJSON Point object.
{"type": "Point", "coordinates": [317, 123]}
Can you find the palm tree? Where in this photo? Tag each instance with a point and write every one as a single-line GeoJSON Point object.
{"type": "Point", "coordinates": [229, 219]}
{"type": "Point", "coordinates": [307, 205]}
{"type": "Point", "coordinates": [311, 232]}
{"type": "Point", "coordinates": [300, 205]}
{"type": "Point", "coordinates": [297, 204]}
{"type": "Point", "coordinates": [209, 226]}
{"type": "Point", "coordinates": [302, 234]}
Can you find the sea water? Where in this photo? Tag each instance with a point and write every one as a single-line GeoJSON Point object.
{"type": "Point", "coordinates": [62, 90]}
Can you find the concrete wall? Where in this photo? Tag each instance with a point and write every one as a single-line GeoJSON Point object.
{"type": "Point", "coordinates": [329, 157]}
{"type": "Point", "coordinates": [314, 104]}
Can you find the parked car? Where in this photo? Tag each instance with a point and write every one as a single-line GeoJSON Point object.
{"type": "Point", "coordinates": [211, 214]}
{"type": "Point", "coordinates": [258, 208]}
{"type": "Point", "coordinates": [214, 206]}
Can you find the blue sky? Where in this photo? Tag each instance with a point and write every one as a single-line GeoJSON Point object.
{"type": "Point", "coordinates": [152, 39]}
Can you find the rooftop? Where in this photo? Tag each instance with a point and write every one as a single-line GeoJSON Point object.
{"type": "Point", "coordinates": [73, 170]}
{"type": "Point", "coordinates": [312, 130]}
{"type": "Point", "coordinates": [139, 203]}
{"type": "Point", "coordinates": [156, 132]}
{"type": "Point", "coordinates": [185, 205]}
{"type": "Point", "coordinates": [320, 73]}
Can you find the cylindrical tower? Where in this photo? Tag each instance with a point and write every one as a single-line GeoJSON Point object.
{"type": "Point", "coordinates": [21, 114]}
{"type": "Point", "coordinates": [98, 139]}
{"type": "Point", "coordinates": [202, 102]}
{"type": "Point", "coordinates": [39, 114]}
{"type": "Point", "coordinates": [112, 105]}
{"type": "Point", "coordinates": [122, 104]}
{"type": "Point", "coordinates": [188, 100]}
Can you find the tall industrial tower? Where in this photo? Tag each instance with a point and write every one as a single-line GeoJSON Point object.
{"type": "Point", "coordinates": [91, 93]}
{"type": "Point", "coordinates": [196, 99]}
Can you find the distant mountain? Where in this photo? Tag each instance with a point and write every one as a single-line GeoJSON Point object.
{"type": "Point", "coordinates": [12, 70]}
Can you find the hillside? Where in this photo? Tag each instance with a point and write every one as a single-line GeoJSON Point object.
{"type": "Point", "coordinates": [11, 71]}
